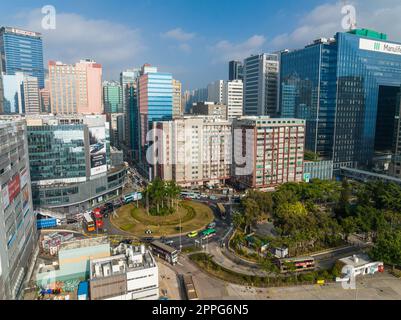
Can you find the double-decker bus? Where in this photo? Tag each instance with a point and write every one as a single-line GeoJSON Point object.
{"type": "Point", "coordinates": [135, 196]}
{"type": "Point", "coordinates": [164, 251]}
{"type": "Point", "coordinates": [208, 233]}
{"type": "Point", "coordinates": [190, 194]}
{"type": "Point", "coordinates": [88, 222]}
{"type": "Point", "coordinates": [98, 217]}
{"type": "Point", "coordinates": [296, 264]}
{"type": "Point", "coordinates": [222, 210]}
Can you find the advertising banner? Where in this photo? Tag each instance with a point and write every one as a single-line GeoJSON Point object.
{"type": "Point", "coordinates": [14, 188]}
{"type": "Point", "coordinates": [5, 197]}
{"type": "Point", "coordinates": [24, 178]}
{"type": "Point", "coordinates": [97, 140]}
{"type": "Point", "coordinates": [25, 197]}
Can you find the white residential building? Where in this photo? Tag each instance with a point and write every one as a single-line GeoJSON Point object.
{"type": "Point", "coordinates": [233, 98]}
{"type": "Point", "coordinates": [193, 150]}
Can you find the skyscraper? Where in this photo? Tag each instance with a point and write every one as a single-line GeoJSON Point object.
{"type": "Point", "coordinates": [233, 98]}
{"type": "Point", "coordinates": [215, 91]}
{"type": "Point", "coordinates": [235, 70]}
{"type": "Point", "coordinates": [112, 97]}
{"type": "Point", "coordinates": [13, 93]}
{"type": "Point", "coordinates": [155, 100]}
{"type": "Point", "coordinates": [177, 99]}
{"type": "Point", "coordinates": [128, 82]}
{"type": "Point", "coordinates": [22, 51]}
{"type": "Point", "coordinates": [261, 84]}
{"type": "Point", "coordinates": [76, 88]}
{"type": "Point", "coordinates": [17, 219]}
{"type": "Point", "coordinates": [346, 88]}
{"type": "Point", "coordinates": [31, 96]}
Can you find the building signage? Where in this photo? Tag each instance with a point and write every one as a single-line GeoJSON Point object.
{"type": "Point", "coordinates": [23, 32]}
{"type": "Point", "coordinates": [97, 138]}
{"type": "Point", "coordinates": [24, 178]}
{"type": "Point", "coordinates": [14, 188]}
{"type": "Point", "coordinates": [5, 197]}
{"type": "Point", "coordinates": [379, 46]}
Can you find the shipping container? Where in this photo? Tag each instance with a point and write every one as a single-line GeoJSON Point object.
{"type": "Point", "coordinates": [83, 290]}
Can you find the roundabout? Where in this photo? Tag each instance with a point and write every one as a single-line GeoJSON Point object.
{"type": "Point", "coordinates": [192, 216]}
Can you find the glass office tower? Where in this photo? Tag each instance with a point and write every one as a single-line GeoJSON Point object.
{"type": "Point", "coordinates": [345, 88]}
{"type": "Point", "coordinates": [22, 51]}
{"type": "Point", "coordinates": [112, 97]}
{"type": "Point", "coordinates": [155, 101]}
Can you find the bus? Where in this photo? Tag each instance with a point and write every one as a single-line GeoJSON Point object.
{"type": "Point", "coordinates": [190, 194]}
{"type": "Point", "coordinates": [190, 290]}
{"type": "Point", "coordinates": [222, 210]}
{"type": "Point", "coordinates": [98, 217]}
{"type": "Point", "coordinates": [164, 251]}
{"type": "Point", "coordinates": [296, 264]}
{"type": "Point", "coordinates": [135, 196]}
{"type": "Point", "coordinates": [208, 233]}
{"type": "Point", "coordinates": [88, 222]}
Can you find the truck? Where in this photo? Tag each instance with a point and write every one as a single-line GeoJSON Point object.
{"type": "Point", "coordinates": [47, 223]}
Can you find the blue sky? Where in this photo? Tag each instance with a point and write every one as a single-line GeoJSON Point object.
{"type": "Point", "coordinates": [193, 39]}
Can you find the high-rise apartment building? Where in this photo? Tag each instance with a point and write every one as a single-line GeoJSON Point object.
{"type": "Point", "coordinates": [75, 88]}
{"type": "Point", "coordinates": [261, 73]}
{"type": "Point", "coordinates": [31, 95]}
{"type": "Point", "coordinates": [346, 89]}
{"type": "Point", "coordinates": [193, 150]}
{"type": "Point", "coordinates": [235, 70]}
{"type": "Point", "coordinates": [177, 99]}
{"type": "Point", "coordinates": [233, 98]}
{"type": "Point", "coordinates": [22, 51]}
{"type": "Point", "coordinates": [112, 97]}
{"type": "Point", "coordinates": [17, 219]}
{"type": "Point", "coordinates": [267, 152]}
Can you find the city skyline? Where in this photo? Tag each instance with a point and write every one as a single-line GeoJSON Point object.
{"type": "Point", "coordinates": [195, 53]}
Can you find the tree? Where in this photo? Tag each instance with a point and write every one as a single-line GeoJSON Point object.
{"type": "Point", "coordinates": [310, 156]}
{"type": "Point", "coordinates": [343, 206]}
{"type": "Point", "coordinates": [251, 213]}
{"type": "Point", "coordinates": [388, 247]}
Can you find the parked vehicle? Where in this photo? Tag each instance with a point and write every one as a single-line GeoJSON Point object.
{"type": "Point", "coordinates": [47, 223]}
{"type": "Point", "coordinates": [211, 225]}
{"type": "Point", "coordinates": [192, 234]}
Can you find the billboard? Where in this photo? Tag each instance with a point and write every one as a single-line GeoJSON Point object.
{"type": "Point", "coordinates": [14, 188]}
{"type": "Point", "coordinates": [97, 141]}
{"type": "Point", "coordinates": [25, 197]}
{"type": "Point", "coordinates": [24, 177]}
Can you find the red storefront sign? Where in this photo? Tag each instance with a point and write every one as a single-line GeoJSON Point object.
{"type": "Point", "coordinates": [14, 187]}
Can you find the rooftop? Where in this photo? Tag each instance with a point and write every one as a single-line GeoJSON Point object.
{"type": "Point", "coordinates": [126, 259]}
{"type": "Point", "coordinates": [356, 260]}
{"type": "Point", "coordinates": [84, 243]}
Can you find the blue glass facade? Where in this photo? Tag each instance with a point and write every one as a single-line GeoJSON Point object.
{"type": "Point", "coordinates": [22, 51]}
{"type": "Point", "coordinates": [335, 86]}
{"type": "Point", "coordinates": [160, 96]}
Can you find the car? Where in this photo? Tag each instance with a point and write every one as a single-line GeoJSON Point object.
{"type": "Point", "coordinates": [147, 239]}
{"type": "Point", "coordinates": [211, 225]}
{"type": "Point", "coordinates": [192, 234]}
{"type": "Point", "coordinates": [148, 231]}
{"type": "Point", "coordinates": [213, 198]}
{"type": "Point", "coordinates": [169, 242]}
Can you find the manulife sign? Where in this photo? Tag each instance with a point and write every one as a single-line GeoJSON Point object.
{"type": "Point", "coordinates": [379, 46]}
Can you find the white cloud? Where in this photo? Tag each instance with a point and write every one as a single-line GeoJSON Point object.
{"type": "Point", "coordinates": [226, 50]}
{"type": "Point", "coordinates": [184, 47]}
{"type": "Point", "coordinates": [325, 21]}
{"type": "Point", "coordinates": [178, 34]}
{"type": "Point", "coordinates": [113, 45]}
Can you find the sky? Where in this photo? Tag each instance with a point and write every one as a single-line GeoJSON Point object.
{"type": "Point", "coordinates": [192, 39]}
